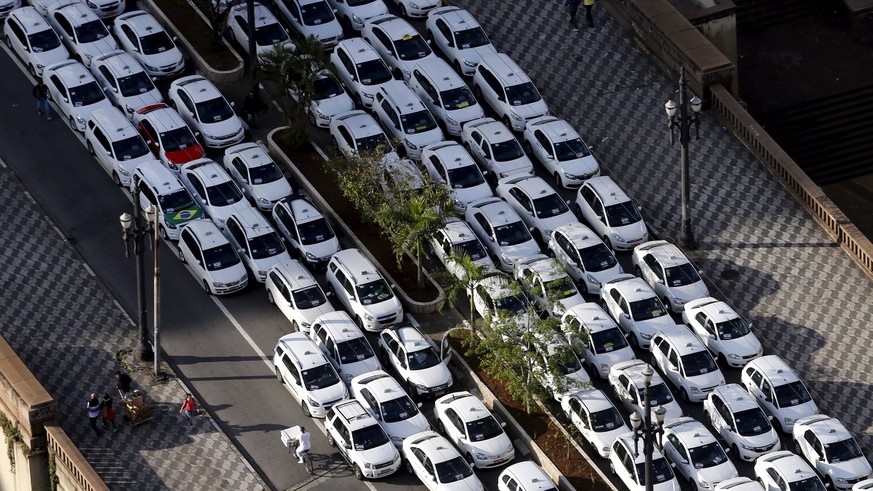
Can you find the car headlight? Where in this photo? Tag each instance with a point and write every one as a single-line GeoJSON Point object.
{"type": "Point", "coordinates": [218, 284]}
{"type": "Point", "coordinates": [263, 201]}
{"type": "Point", "coordinates": [506, 259]}
{"type": "Point", "coordinates": [368, 465]}
{"type": "Point", "coordinates": [80, 119]}
{"type": "Point", "coordinates": [734, 356]}
{"type": "Point", "coordinates": [406, 73]}
{"type": "Point", "coordinates": [368, 317]}
{"type": "Point", "coordinates": [451, 121]}
{"type": "Point", "coordinates": [305, 324]}
{"type": "Point", "coordinates": [645, 336]}
{"type": "Point", "coordinates": [618, 238]}
{"type": "Point", "coordinates": [91, 4]}
{"type": "Point", "coordinates": [788, 421]}
{"type": "Point", "coordinates": [481, 456]}
{"type": "Point", "coordinates": [747, 447]}
{"type": "Point", "coordinates": [420, 387]}
{"type": "Point", "coordinates": [547, 233]}
{"type": "Point", "coordinates": [570, 176]}
{"type": "Point", "coordinates": [366, 95]}
{"type": "Point", "coordinates": [592, 280]}
{"type": "Point", "coordinates": [40, 66]}
{"type": "Point", "coordinates": [88, 57]}
{"type": "Point", "coordinates": [410, 145]}
{"type": "Point", "coordinates": [413, 5]}
{"type": "Point", "coordinates": [604, 367]}
{"type": "Point", "coordinates": [842, 480]}
{"type": "Point", "coordinates": [262, 273]}
{"type": "Point", "coordinates": [679, 301]}
{"type": "Point", "coordinates": [312, 402]}
{"type": "Point", "coordinates": [123, 172]}
{"type": "Point", "coordinates": [348, 377]}
{"type": "Point", "coordinates": [357, 20]}
{"type": "Point", "coordinates": [129, 109]}
{"type": "Point", "coordinates": [207, 135]}
{"type": "Point", "coordinates": [695, 390]}
{"type": "Point", "coordinates": [515, 116]}
{"type": "Point", "coordinates": [150, 68]}
{"type": "Point", "coordinates": [396, 440]}
{"type": "Point", "coordinates": [311, 256]}
{"type": "Point", "coordinates": [704, 484]}
{"type": "Point", "coordinates": [471, 64]}
{"type": "Point", "coordinates": [244, 277]}
{"type": "Point", "coordinates": [171, 225]}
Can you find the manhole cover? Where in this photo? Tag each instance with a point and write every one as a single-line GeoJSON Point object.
{"type": "Point", "coordinates": [730, 274]}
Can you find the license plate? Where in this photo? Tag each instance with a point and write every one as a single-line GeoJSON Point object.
{"type": "Point", "coordinates": [499, 461]}
{"type": "Point", "coordinates": [439, 393]}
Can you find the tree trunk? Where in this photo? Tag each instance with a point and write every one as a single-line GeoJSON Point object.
{"type": "Point", "coordinates": [418, 280]}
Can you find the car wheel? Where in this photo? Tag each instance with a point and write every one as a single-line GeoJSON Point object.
{"type": "Point", "coordinates": [797, 449]}
{"type": "Point", "coordinates": [172, 103]}
{"type": "Point", "coordinates": [33, 73]}
{"type": "Point", "coordinates": [413, 393]}
{"type": "Point", "coordinates": [507, 123]}
{"type": "Point", "coordinates": [181, 256]}
{"type": "Point", "coordinates": [359, 322]}
{"type": "Point", "coordinates": [270, 297]}
{"type": "Point", "coordinates": [383, 357]}
{"type": "Point", "coordinates": [334, 142]}
{"type": "Point", "coordinates": [90, 148]}
{"type": "Point", "coordinates": [162, 233]}
{"type": "Point", "coordinates": [538, 236]}
{"type": "Point", "coordinates": [347, 24]}
{"type": "Point", "coordinates": [638, 272]}
{"type": "Point", "coordinates": [359, 474]}
{"type": "Point", "coordinates": [761, 482]}
{"type": "Point", "coordinates": [279, 375]}
{"type": "Point", "coordinates": [683, 395]}
{"type": "Point", "coordinates": [558, 181]}
{"type": "Point", "coordinates": [305, 408]}
{"type": "Point", "coordinates": [470, 460]}
{"type": "Point", "coordinates": [330, 440]}
{"type": "Point", "coordinates": [611, 468]}
{"type": "Point", "coordinates": [577, 210]}
{"type": "Point", "coordinates": [440, 427]}
{"type": "Point", "coordinates": [403, 11]}
{"type": "Point", "coordinates": [409, 468]}
{"type": "Point", "coordinates": [634, 342]}
{"type": "Point", "coordinates": [358, 101]}
{"type": "Point", "coordinates": [477, 91]}
{"type": "Point", "coordinates": [668, 305]}
{"type": "Point", "coordinates": [398, 74]}
{"type": "Point", "coordinates": [583, 287]}
{"type": "Point", "coordinates": [829, 482]}
{"type": "Point", "coordinates": [206, 288]}
{"type": "Point", "coordinates": [606, 241]}
{"type": "Point", "coordinates": [116, 179]}
{"type": "Point", "coordinates": [294, 327]}
{"type": "Point", "coordinates": [8, 42]}
{"type": "Point", "coordinates": [73, 124]}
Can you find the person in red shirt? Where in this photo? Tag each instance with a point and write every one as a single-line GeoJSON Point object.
{"type": "Point", "coordinates": [189, 406]}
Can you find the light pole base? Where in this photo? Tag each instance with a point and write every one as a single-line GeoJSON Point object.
{"type": "Point", "coordinates": [686, 240]}
{"type": "Point", "coordinates": [143, 353]}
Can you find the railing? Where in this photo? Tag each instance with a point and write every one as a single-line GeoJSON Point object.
{"type": "Point", "coordinates": [68, 457]}
{"type": "Point", "coordinates": [823, 210]}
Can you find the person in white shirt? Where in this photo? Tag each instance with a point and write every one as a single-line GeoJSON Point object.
{"type": "Point", "coordinates": [303, 444]}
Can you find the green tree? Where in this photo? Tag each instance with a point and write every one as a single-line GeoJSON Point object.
{"type": "Point", "coordinates": [467, 273]}
{"type": "Point", "coordinates": [216, 13]}
{"type": "Point", "coordinates": [360, 180]}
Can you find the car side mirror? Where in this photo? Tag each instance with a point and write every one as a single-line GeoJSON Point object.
{"type": "Point", "coordinates": [135, 49]}
{"type": "Point", "coordinates": [196, 134]}
{"type": "Point", "coordinates": [624, 316]}
{"type": "Point", "coordinates": [501, 98]}
{"type": "Point", "coordinates": [420, 405]}
{"type": "Point", "coordinates": [232, 104]}
{"type": "Point", "coordinates": [393, 286]}
{"type": "Point", "coordinates": [175, 39]}
{"type": "Point", "coordinates": [550, 157]}
{"type": "Point", "coordinates": [503, 424]}
{"type": "Point", "coordinates": [241, 250]}
{"type": "Point", "coordinates": [674, 368]}
{"type": "Point", "coordinates": [328, 294]}
{"type": "Point", "coordinates": [347, 446]}
{"type": "Point", "coordinates": [109, 153]}
{"type": "Point", "coordinates": [659, 281]}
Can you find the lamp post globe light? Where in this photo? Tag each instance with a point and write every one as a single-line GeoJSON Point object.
{"type": "Point", "coordinates": [684, 120]}
{"type": "Point", "coordinates": [644, 429]}
{"type": "Point", "coordinates": [137, 232]}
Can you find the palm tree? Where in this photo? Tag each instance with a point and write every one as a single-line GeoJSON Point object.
{"type": "Point", "coordinates": [411, 224]}
{"type": "Point", "coordinates": [469, 273]}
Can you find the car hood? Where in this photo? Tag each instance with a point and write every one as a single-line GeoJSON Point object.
{"type": "Point", "coordinates": [475, 55]}
{"type": "Point", "coordinates": [424, 138]}
{"type": "Point", "coordinates": [464, 114]}
{"type": "Point", "coordinates": [144, 99]}
{"type": "Point", "coordinates": [328, 394]}
{"type": "Point", "coordinates": [745, 346]}
{"type": "Point", "coordinates": [185, 155]}
{"type": "Point", "coordinates": [337, 104]}
{"type": "Point", "coordinates": [718, 473]}
{"type": "Point", "coordinates": [221, 213]}
{"type": "Point", "coordinates": [229, 126]}
{"type": "Point", "coordinates": [554, 222]}
{"type": "Point", "coordinates": [709, 379]}
{"type": "Point", "coordinates": [517, 166]}
{"type": "Point", "coordinates": [370, 10]}
{"type": "Point", "coordinates": [612, 357]}
{"type": "Point", "coordinates": [471, 483]}
{"type": "Point", "coordinates": [323, 249]}
{"type": "Point", "coordinates": [379, 455]}
{"type": "Point", "coordinates": [390, 306]}
{"type": "Point", "coordinates": [231, 274]}
{"type": "Point", "coordinates": [324, 31]}
{"type": "Point", "coordinates": [631, 232]}
{"type": "Point", "coordinates": [529, 111]}
{"type": "Point", "coordinates": [565, 304]}
{"type": "Point", "coordinates": [46, 58]}
{"type": "Point", "coordinates": [761, 440]}
{"type": "Point", "coordinates": [689, 292]}
{"type": "Point", "coordinates": [471, 194]}
{"type": "Point", "coordinates": [99, 47]}
{"type": "Point", "coordinates": [606, 274]}
{"type": "Point", "coordinates": [798, 411]}
{"type": "Point", "coordinates": [84, 112]}
{"type": "Point", "coordinates": [580, 167]}
{"type": "Point", "coordinates": [309, 315]}
{"type": "Point", "coordinates": [673, 409]}
{"type": "Point", "coordinates": [851, 469]}
{"type": "Point", "coordinates": [494, 447]}
{"type": "Point", "coordinates": [273, 190]}
{"type": "Point", "coordinates": [407, 427]}
{"type": "Point", "coordinates": [177, 217]}
{"type": "Point", "coordinates": [158, 60]}
{"type": "Point", "coordinates": [520, 251]}
{"type": "Point", "coordinates": [130, 165]}
{"type": "Point", "coordinates": [352, 370]}
{"type": "Point", "coordinates": [651, 326]}
{"type": "Point", "coordinates": [431, 377]}
{"type": "Point", "coordinates": [263, 265]}
{"type": "Point", "coordinates": [605, 439]}
{"type": "Point", "coordinates": [671, 485]}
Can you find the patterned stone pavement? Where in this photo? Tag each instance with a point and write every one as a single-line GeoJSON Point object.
{"type": "Point", "coordinates": [70, 342]}
{"type": "Point", "coordinates": [760, 248]}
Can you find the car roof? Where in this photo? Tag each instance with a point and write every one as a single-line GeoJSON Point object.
{"type": "Point", "coordinates": [555, 129]}
{"type": "Point", "coordinates": [383, 386]}
{"type": "Point", "coordinates": [681, 339]}
{"type": "Point", "coordinates": [593, 399]}
{"type": "Point", "coordinates": [496, 211]}
{"type": "Point", "coordinates": [543, 267]}
{"type": "Point", "coordinates": [458, 231]}
{"type": "Point", "coordinates": [634, 370]}
{"type": "Point", "coordinates": [358, 49]}
{"type": "Point", "coordinates": [252, 222]}
{"type": "Point", "coordinates": [30, 19]}
{"type": "Point", "coordinates": [466, 405]}
{"type": "Point", "coordinates": [592, 316]}
{"type": "Point", "coordinates": [395, 27]}
{"type": "Point", "coordinates": [198, 88]}
{"type": "Point", "coordinates": [504, 68]}
{"type": "Point", "coordinates": [263, 15]}
{"type": "Point", "coordinates": [71, 72]}
{"type": "Point", "coordinates": [114, 123]}
{"type": "Point", "coordinates": [162, 116]}
{"type": "Point", "coordinates": [529, 476]}
{"type": "Point", "coordinates": [579, 234]}
{"type": "Point", "coordinates": [300, 347]}
{"type": "Point", "coordinates": [440, 73]}
{"type": "Point", "coordinates": [356, 265]}
{"type": "Point", "coordinates": [411, 338]}
{"type": "Point", "coordinates": [735, 397]}
{"type": "Point", "coordinates": [496, 284]}
{"type": "Point", "coordinates": [162, 179]}
{"type": "Point", "coordinates": [302, 208]}
{"type": "Point", "coordinates": [207, 233]}
{"type": "Point", "coordinates": [631, 287]}
{"type": "Point", "coordinates": [627, 440]}
{"type": "Point", "coordinates": [827, 429]}
{"type": "Point", "coordinates": [119, 62]}
{"type": "Point", "coordinates": [791, 466]}
{"type": "Point", "coordinates": [294, 273]}
{"type": "Point", "coordinates": [210, 172]}
{"type": "Point", "coordinates": [494, 131]}
{"type": "Point", "coordinates": [251, 154]}
{"type": "Point", "coordinates": [717, 311]}
{"type": "Point", "coordinates": [775, 369]}
{"type": "Point", "coordinates": [401, 96]}
{"type": "Point", "coordinates": [354, 414]}
{"type": "Point", "coordinates": [666, 253]}
{"type": "Point", "coordinates": [360, 124]}
{"type": "Point", "coordinates": [435, 446]}
{"type": "Point", "coordinates": [533, 186]}
{"type": "Point", "coordinates": [692, 432]}
{"type": "Point", "coordinates": [339, 325]}
{"type": "Point", "coordinates": [140, 21]}
{"type": "Point", "coordinates": [77, 12]}
{"type": "Point", "coordinates": [451, 154]}
{"type": "Point", "coordinates": [456, 18]}
{"type": "Point", "coordinates": [607, 190]}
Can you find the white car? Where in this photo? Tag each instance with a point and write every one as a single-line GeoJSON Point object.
{"type": "Point", "coordinates": [863, 485]}
{"type": "Point", "coordinates": [328, 100]}
{"type": "Point", "coordinates": [353, 13]}
{"type": "Point", "coordinates": [547, 285]}
{"type": "Point", "coordinates": [72, 87]}
{"type": "Point", "coordinates": [445, 94]}
{"type": "Point", "coordinates": [254, 171]}
{"type": "Point", "coordinates": [363, 291]}
{"type": "Point", "coordinates": [356, 132]}
{"type": "Point", "coordinates": [211, 258]}
{"type": "Point", "coordinates": [419, 364]}
{"type": "Point", "coordinates": [305, 230]}
{"type": "Point", "coordinates": [292, 289]}
{"type": "Point", "coordinates": [125, 82]}
{"type": "Point", "coordinates": [113, 141]}
{"type": "Point", "coordinates": [779, 390]}
{"type": "Point", "coordinates": [312, 18]}
{"type": "Point", "coordinates": [153, 184]}
{"type": "Point", "coordinates": [214, 190]}
{"type": "Point", "coordinates": [723, 331]}
{"type": "Point", "coordinates": [104, 9]}
{"type": "Point", "coordinates": [7, 6]}
{"type": "Point", "coordinates": [539, 206]}
{"type": "Point", "coordinates": [342, 341]}
{"type": "Point", "coordinates": [697, 455]}
{"type": "Point", "coordinates": [502, 232]}
{"type": "Point", "coordinates": [560, 149]}
{"type": "Point", "coordinates": [785, 471]}
{"type": "Point", "coordinates": [455, 238]}
{"type": "Point", "coordinates": [417, 8]}
{"type": "Point", "coordinates": [559, 354]}
{"type": "Point", "coordinates": [739, 484]}
{"type": "Point", "coordinates": [449, 165]}
{"type": "Point", "coordinates": [144, 38]}
{"type": "Point", "coordinates": [84, 34]}
{"type": "Point", "coordinates": [495, 148]}
{"type": "Point", "coordinates": [585, 257]}
{"type": "Point", "coordinates": [30, 37]}
{"type": "Point", "coordinates": [307, 374]}
{"type": "Point", "coordinates": [741, 422]}
{"type": "Point", "coordinates": [206, 111]}
{"type": "Point", "coordinates": [496, 295]}
{"type": "Point", "coordinates": [259, 245]}
{"type": "Point", "coordinates": [524, 476]}
{"type": "Point", "coordinates": [829, 446]}
{"type": "Point", "coordinates": [397, 42]}
{"type": "Point", "coordinates": [686, 363]}
{"type": "Point", "coordinates": [603, 344]}
{"type": "Point", "coordinates": [504, 86]}
{"type": "Point", "coordinates": [611, 214]}
{"type": "Point", "coordinates": [635, 308]}
{"type": "Point", "coordinates": [597, 419]}
{"type": "Point", "coordinates": [405, 118]}
{"type": "Point", "coordinates": [468, 424]}
{"type": "Point", "coordinates": [269, 33]}
{"type": "Point", "coordinates": [670, 274]}
{"type": "Point", "coordinates": [457, 34]}
{"type": "Point", "coordinates": [386, 400]}
{"type": "Point", "coordinates": [627, 461]}
{"type": "Point", "coordinates": [361, 70]}
{"type": "Point", "coordinates": [436, 463]}
{"type": "Point", "coordinates": [627, 379]}
{"type": "Point", "coordinates": [361, 440]}
{"type": "Point", "coordinates": [168, 136]}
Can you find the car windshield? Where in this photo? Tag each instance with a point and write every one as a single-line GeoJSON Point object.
{"type": "Point", "coordinates": [314, 232]}
{"type": "Point", "coordinates": [374, 292]}
{"type": "Point", "coordinates": [177, 139]}
{"type": "Point", "coordinates": [842, 451]}
{"type": "Point", "coordinates": [752, 422]}
{"type": "Point", "coordinates": [316, 13]}
{"type": "Point", "coordinates": [358, 3]}
{"type": "Point", "coordinates": [471, 248]}
{"type": "Point", "coordinates": [660, 469]}
{"type": "Point", "coordinates": [320, 377]}
{"type": "Point", "coordinates": [791, 394]}
{"type": "Point", "coordinates": [373, 72]}
{"type": "Point", "coordinates": [484, 429]}
{"type": "Point", "coordinates": [266, 245]}
{"type": "Point", "coordinates": [608, 340]}
{"type": "Point", "coordinates": [270, 34]}
{"type": "Point", "coordinates": [571, 150]}
{"type": "Point", "coordinates": [308, 298]}
{"type": "Point", "coordinates": [43, 41]}
{"type": "Point", "coordinates": [521, 94]}
{"type": "Point", "coordinates": [511, 303]}
{"type": "Point", "coordinates": [265, 174]}
{"type": "Point", "coordinates": [223, 194]}
{"type": "Point", "coordinates": [597, 258]}
{"type": "Point", "coordinates": [411, 47]}
{"type": "Point", "coordinates": [565, 360]}
{"type": "Point", "coordinates": [156, 43]}
{"type": "Point", "coordinates": [809, 484]}
{"type": "Point", "coordinates": [354, 350]}
{"type": "Point", "coordinates": [130, 148]}
{"type": "Point", "coordinates": [138, 83]}
{"type": "Point", "coordinates": [325, 88]}
{"type": "Point", "coordinates": [421, 359]}
{"type": "Point", "coordinates": [178, 200]}
{"type": "Point", "coordinates": [373, 143]}
{"type": "Point", "coordinates": [369, 437]}
{"type": "Point", "coordinates": [622, 214]}
{"type": "Point", "coordinates": [471, 38]}
{"type": "Point", "coordinates": [457, 98]}
{"type": "Point", "coordinates": [732, 329]}
{"type": "Point", "coordinates": [87, 94]}
{"type": "Point", "coordinates": [398, 409]}
{"type": "Point", "coordinates": [91, 31]}
{"type": "Point", "coordinates": [646, 309]}
{"type": "Point", "coordinates": [660, 394]}
{"type": "Point", "coordinates": [698, 363]}
{"type": "Point", "coordinates": [214, 110]}
{"type": "Point", "coordinates": [550, 206]}
{"type": "Point", "coordinates": [506, 151]}
{"type": "Point", "coordinates": [681, 275]}
{"type": "Point", "coordinates": [561, 288]}
{"type": "Point", "coordinates": [453, 470]}
{"type": "Point", "coordinates": [220, 257]}
{"type": "Point", "coordinates": [512, 234]}
{"type": "Point", "coordinates": [465, 177]}
{"type": "Point", "coordinates": [606, 420]}
{"type": "Point", "coordinates": [709, 455]}
{"type": "Point", "coordinates": [417, 122]}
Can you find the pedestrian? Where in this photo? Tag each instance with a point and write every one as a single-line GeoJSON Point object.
{"type": "Point", "coordinates": [572, 8]}
{"type": "Point", "coordinates": [41, 93]}
{"type": "Point", "coordinates": [124, 382]}
{"type": "Point", "coordinates": [107, 412]}
{"type": "Point", "coordinates": [94, 412]}
{"type": "Point", "coordinates": [252, 105]}
{"type": "Point", "coordinates": [589, 6]}
{"type": "Point", "coordinates": [189, 406]}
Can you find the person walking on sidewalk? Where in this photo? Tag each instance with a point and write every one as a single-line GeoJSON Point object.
{"type": "Point", "coordinates": [107, 412]}
{"type": "Point", "coordinates": [589, 6]}
{"type": "Point", "coordinates": [572, 8]}
{"type": "Point", "coordinates": [41, 93]}
{"type": "Point", "coordinates": [252, 105]}
{"type": "Point", "coordinates": [93, 408]}
{"type": "Point", "coordinates": [189, 406]}
{"type": "Point", "coordinates": [124, 382]}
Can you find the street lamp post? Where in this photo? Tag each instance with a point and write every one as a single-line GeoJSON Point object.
{"type": "Point", "coordinates": [684, 121]}
{"type": "Point", "coordinates": [643, 426]}
{"type": "Point", "coordinates": [156, 311]}
{"type": "Point", "coordinates": [135, 231]}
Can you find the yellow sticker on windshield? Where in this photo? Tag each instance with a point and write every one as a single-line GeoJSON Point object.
{"type": "Point", "coordinates": [463, 105]}
{"type": "Point", "coordinates": [407, 37]}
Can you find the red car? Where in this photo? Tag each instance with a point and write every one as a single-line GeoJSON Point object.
{"type": "Point", "coordinates": [167, 135]}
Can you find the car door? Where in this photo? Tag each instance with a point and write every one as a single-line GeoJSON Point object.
{"type": "Point", "coordinates": [621, 386]}
{"type": "Point", "coordinates": [148, 133]}
{"type": "Point", "coordinates": [775, 481]}
{"type": "Point", "coordinates": [190, 251]}
{"type": "Point", "coordinates": [58, 93]}
{"type": "Point", "coordinates": [721, 418]}
{"type": "Point", "coordinates": [424, 468]}
{"type": "Point", "coordinates": [343, 438]}
{"type": "Point", "coordinates": [543, 151]}
{"type": "Point", "coordinates": [109, 85]}
{"type": "Point", "coordinates": [198, 191]}
{"type": "Point", "coordinates": [454, 429]}
{"type": "Point", "coordinates": [240, 28]}
{"type": "Point", "coordinates": [482, 301]}
{"type": "Point", "coordinates": [579, 417]}
{"type": "Point", "coordinates": [436, 170]}
{"type": "Point", "coordinates": [291, 376]}
{"type": "Point", "coordinates": [65, 30]}
{"type": "Point", "coordinates": [444, 39]}
{"type": "Point", "coordinates": [813, 451]}
{"type": "Point", "coordinates": [673, 368]}
{"type": "Point", "coordinates": [287, 226]}
{"type": "Point", "coordinates": [678, 454]}
{"type": "Point", "coordinates": [281, 294]}
{"type": "Point", "coordinates": [130, 41]}
{"type": "Point", "coordinates": [240, 173]}
{"type": "Point", "coordinates": [483, 229]}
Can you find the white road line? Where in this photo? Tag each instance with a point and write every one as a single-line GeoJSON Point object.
{"type": "Point", "coordinates": [88, 269]}
{"type": "Point", "coordinates": [242, 332]}
{"type": "Point", "coordinates": [27, 194]}
{"type": "Point", "coordinates": [2, 163]}
{"type": "Point", "coordinates": [320, 151]}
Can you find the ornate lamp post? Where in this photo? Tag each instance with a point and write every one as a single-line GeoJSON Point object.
{"type": "Point", "coordinates": [643, 426]}
{"type": "Point", "coordinates": [136, 231]}
{"type": "Point", "coordinates": [684, 121]}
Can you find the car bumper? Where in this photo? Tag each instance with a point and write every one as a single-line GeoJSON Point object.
{"type": "Point", "coordinates": [627, 246]}
{"type": "Point", "coordinates": [224, 142]}
{"type": "Point", "coordinates": [420, 12]}
{"type": "Point", "coordinates": [750, 455]}
{"type": "Point", "coordinates": [383, 472]}
{"type": "Point", "coordinates": [494, 462]}
{"type": "Point", "coordinates": [433, 392]}
{"type": "Point", "coordinates": [226, 290]}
